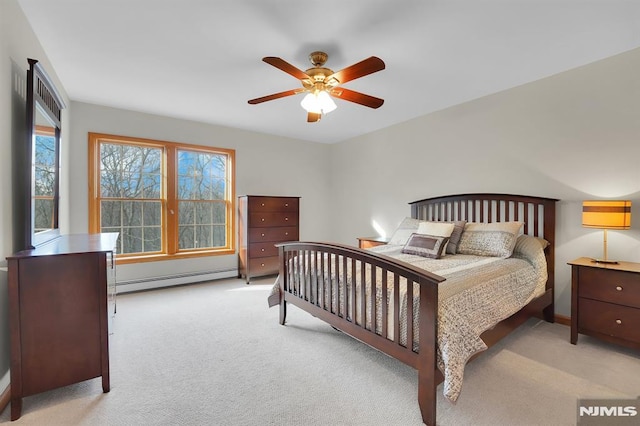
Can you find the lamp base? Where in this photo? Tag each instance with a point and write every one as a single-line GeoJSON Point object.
{"type": "Point", "coordinates": [605, 261]}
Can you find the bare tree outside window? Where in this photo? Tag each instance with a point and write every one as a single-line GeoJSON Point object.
{"type": "Point", "coordinates": [163, 198]}
{"type": "Point", "coordinates": [45, 175]}
{"type": "Point", "coordinates": [201, 199]}
{"type": "Point", "coordinates": [130, 189]}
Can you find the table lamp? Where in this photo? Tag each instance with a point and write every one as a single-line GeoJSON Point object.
{"type": "Point", "coordinates": [606, 214]}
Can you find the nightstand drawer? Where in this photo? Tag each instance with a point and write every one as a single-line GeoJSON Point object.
{"type": "Point", "coordinates": [610, 286]}
{"type": "Point", "coordinates": [609, 319]}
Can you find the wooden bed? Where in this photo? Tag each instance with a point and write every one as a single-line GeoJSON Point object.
{"type": "Point", "coordinates": [538, 215]}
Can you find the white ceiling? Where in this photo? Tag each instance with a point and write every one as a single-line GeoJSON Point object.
{"type": "Point", "coordinates": [201, 59]}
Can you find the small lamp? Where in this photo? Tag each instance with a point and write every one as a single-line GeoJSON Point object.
{"type": "Point", "coordinates": [606, 214]}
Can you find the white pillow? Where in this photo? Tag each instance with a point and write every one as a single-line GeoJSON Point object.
{"type": "Point", "coordinates": [402, 233]}
{"type": "Point", "coordinates": [438, 229]}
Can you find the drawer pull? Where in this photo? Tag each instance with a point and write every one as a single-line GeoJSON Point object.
{"type": "Point", "coordinates": [286, 218]}
{"type": "Point", "coordinates": [286, 204]}
{"type": "Point", "coordinates": [262, 235]}
{"type": "Point", "coordinates": [262, 219]}
{"type": "Point", "coordinates": [261, 249]}
{"type": "Point", "coordinates": [286, 233]}
{"type": "Point", "coordinates": [262, 204]}
{"type": "Point", "coordinates": [619, 288]}
{"type": "Point", "coordinates": [618, 321]}
{"type": "Point", "coordinates": [262, 264]}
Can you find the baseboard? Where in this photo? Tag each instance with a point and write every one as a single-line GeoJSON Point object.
{"type": "Point", "coordinates": [173, 280]}
{"type": "Point", "coordinates": [561, 319]}
{"type": "Point", "coordinates": [5, 396]}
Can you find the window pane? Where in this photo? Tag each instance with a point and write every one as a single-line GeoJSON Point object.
{"type": "Point", "coordinates": [152, 239]}
{"type": "Point", "coordinates": [43, 214]}
{"type": "Point", "coordinates": [186, 213]}
{"type": "Point", "coordinates": [201, 176]}
{"type": "Point", "coordinates": [131, 240]}
{"type": "Point", "coordinates": [202, 224]}
{"type": "Point", "coordinates": [152, 213]}
{"type": "Point", "coordinates": [129, 171]}
{"type": "Point", "coordinates": [186, 238]}
{"type": "Point", "coordinates": [45, 165]}
{"type": "Point", "coordinates": [111, 213]}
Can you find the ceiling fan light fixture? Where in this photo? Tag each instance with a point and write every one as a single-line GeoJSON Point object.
{"type": "Point", "coordinates": [318, 102]}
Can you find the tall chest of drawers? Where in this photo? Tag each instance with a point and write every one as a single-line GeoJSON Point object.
{"type": "Point", "coordinates": [605, 301]}
{"type": "Point", "coordinates": [263, 222]}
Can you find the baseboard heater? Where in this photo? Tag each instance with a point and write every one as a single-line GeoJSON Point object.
{"type": "Point", "coordinates": [127, 286]}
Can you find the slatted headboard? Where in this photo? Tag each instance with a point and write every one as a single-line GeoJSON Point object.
{"type": "Point", "coordinates": [537, 213]}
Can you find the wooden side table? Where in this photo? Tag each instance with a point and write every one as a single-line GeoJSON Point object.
{"type": "Point", "coordinates": [605, 301]}
{"type": "Point", "coordinates": [368, 242]}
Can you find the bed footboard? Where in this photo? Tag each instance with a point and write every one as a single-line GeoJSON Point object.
{"type": "Point", "coordinates": [368, 296]}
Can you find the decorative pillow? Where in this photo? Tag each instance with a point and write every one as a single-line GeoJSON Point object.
{"type": "Point", "coordinates": [424, 245]}
{"type": "Point", "coordinates": [402, 233]}
{"type": "Point", "coordinates": [458, 227]}
{"type": "Point", "coordinates": [437, 229]}
{"type": "Point", "coordinates": [528, 245]}
{"type": "Point", "coordinates": [489, 239]}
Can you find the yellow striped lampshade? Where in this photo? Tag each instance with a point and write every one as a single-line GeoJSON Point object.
{"type": "Point", "coordinates": [606, 214]}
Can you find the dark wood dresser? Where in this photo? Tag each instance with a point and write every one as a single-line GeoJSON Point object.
{"type": "Point", "coordinates": [605, 301]}
{"type": "Point", "coordinates": [263, 222]}
{"type": "Point", "coordinates": [61, 300]}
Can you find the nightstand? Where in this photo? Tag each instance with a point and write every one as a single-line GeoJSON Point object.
{"type": "Point", "coordinates": [605, 301]}
{"type": "Point", "coordinates": [368, 242]}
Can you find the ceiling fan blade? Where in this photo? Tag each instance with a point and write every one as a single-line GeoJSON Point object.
{"type": "Point", "coordinates": [357, 97]}
{"type": "Point", "coordinates": [275, 96]}
{"type": "Point", "coordinates": [362, 68]}
{"type": "Point", "coordinates": [312, 117]}
{"type": "Point", "coordinates": [286, 67]}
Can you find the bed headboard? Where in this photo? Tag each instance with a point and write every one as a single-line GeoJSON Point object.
{"type": "Point", "coordinates": [537, 213]}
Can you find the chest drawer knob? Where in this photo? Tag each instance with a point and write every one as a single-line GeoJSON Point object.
{"type": "Point", "coordinates": [261, 249]}
{"type": "Point", "coordinates": [286, 204]}
{"type": "Point", "coordinates": [262, 264]}
{"type": "Point", "coordinates": [619, 288]}
{"type": "Point", "coordinates": [286, 218]}
{"type": "Point", "coordinates": [286, 233]}
{"type": "Point", "coordinates": [262, 204]}
{"type": "Point", "coordinates": [262, 235]}
{"type": "Point", "coordinates": [618, 321]}
{"type": "Point", "coordinates": [262, 219]}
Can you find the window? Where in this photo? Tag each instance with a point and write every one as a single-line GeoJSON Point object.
{"type": "Point", "coordinates": [44, 169]}
{"type": "Point", "coordinates": [165, 199]}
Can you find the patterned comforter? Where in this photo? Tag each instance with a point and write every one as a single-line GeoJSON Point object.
{"type": "Point", "coordinates": [478, 293]}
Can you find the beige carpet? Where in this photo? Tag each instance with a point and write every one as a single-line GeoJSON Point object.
{"type": "Point", "coordinates": [214, 354]}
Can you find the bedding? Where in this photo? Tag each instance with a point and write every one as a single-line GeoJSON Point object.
{"type": "Point", "coordinates": [502, 285]}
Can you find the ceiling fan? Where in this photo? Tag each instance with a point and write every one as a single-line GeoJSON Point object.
{"type": "Point", "coordinates": [322, 83]}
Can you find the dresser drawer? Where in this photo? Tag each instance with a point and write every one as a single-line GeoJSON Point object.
{"type": "Point", "coordinates": [610, 286]}
{"type": "Point", "coordinates": [270, 204]}
{"type": "Point", "coordinates": [263, 250]}
{"type": "Point", "coordinates": [264, 265]}
{"type": "Point", "coordinates": [609, 319]}
{"type": "Point", "coordinates": [268, 219]}
{"type": "Point", "coordinates": [285, 233]}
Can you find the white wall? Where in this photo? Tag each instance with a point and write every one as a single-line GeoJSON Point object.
{"type": "Point", "coordinates": [572, 136]}
{"type": "Point", "coordinates": [17, 43]}
{"type": "Point", "coordinates": [265, 165]}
